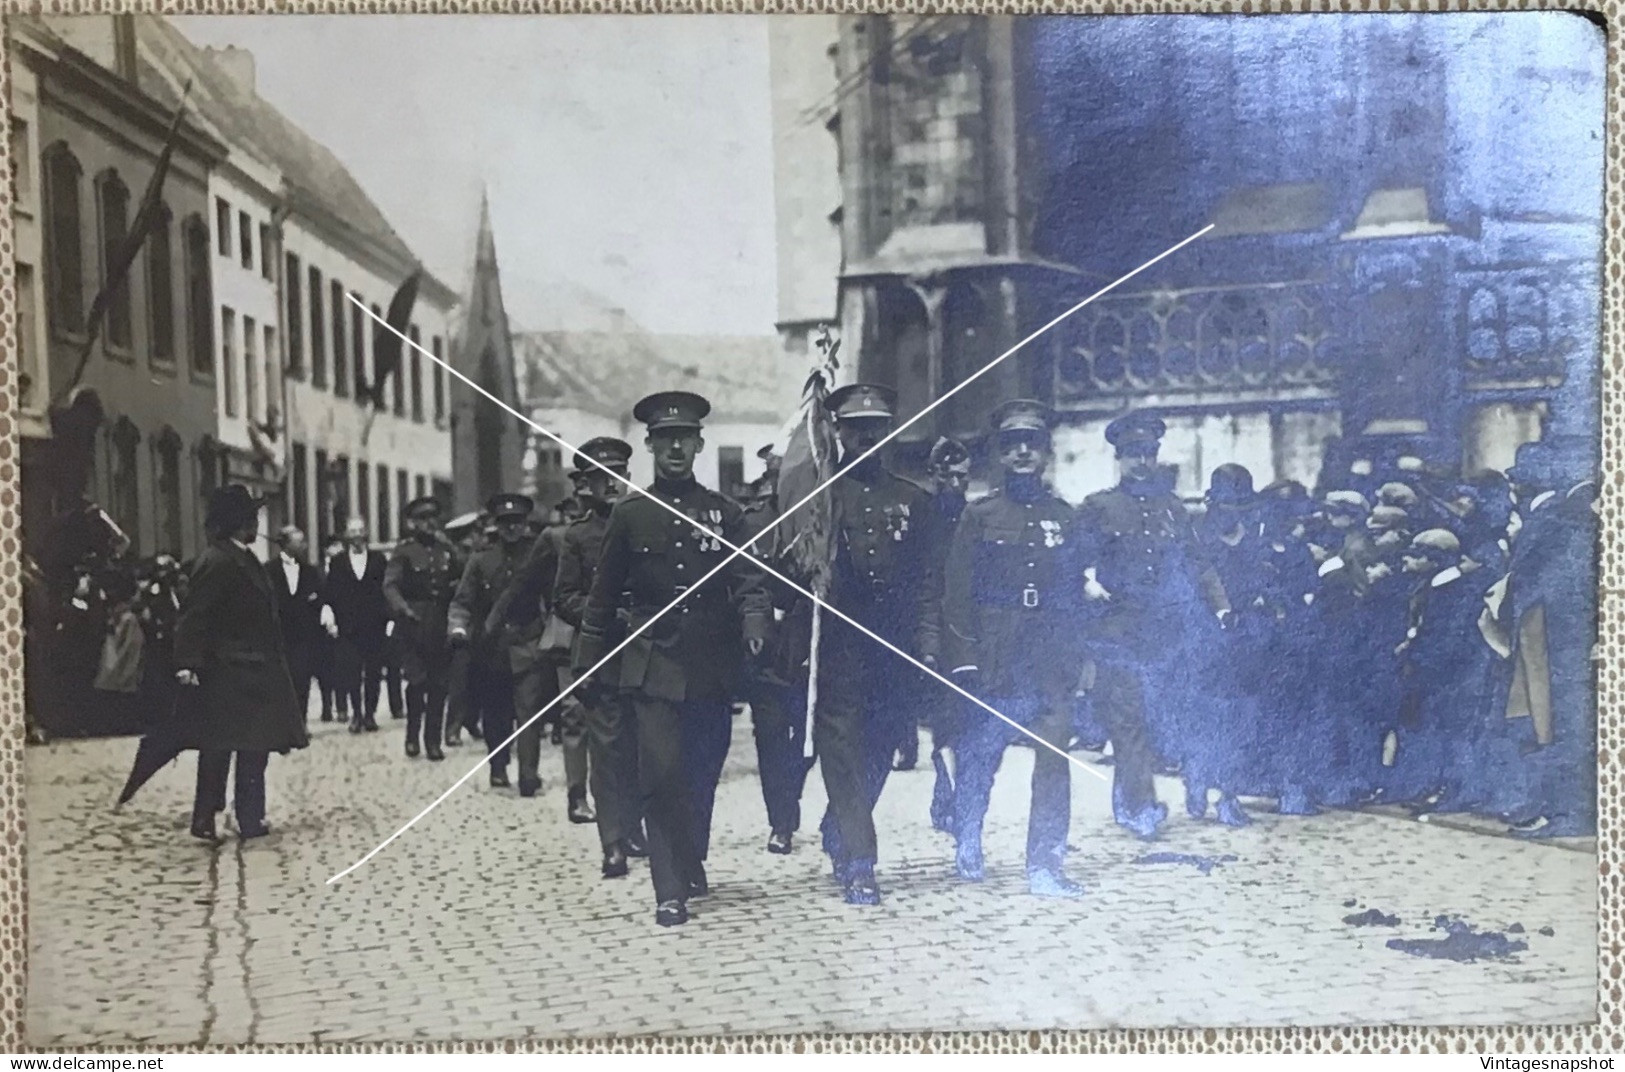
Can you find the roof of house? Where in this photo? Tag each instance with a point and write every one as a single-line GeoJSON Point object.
{"type": "Point", "coordinates": [746, 378]}
{"type": "Point", "coordinates": [319, 185]}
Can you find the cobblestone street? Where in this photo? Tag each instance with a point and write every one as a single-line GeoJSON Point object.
{"type": "Point", "coordinates": [489, 920]}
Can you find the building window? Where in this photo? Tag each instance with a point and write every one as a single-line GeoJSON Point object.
{"type": "Point", "coordinates": [341, 362]}
{"type": "Point", "coordinates": [228, 358]}
{"type": "Point", "coordinates": [166, 483]}
{"type": "Point", "coordinates": [199, 294]}
{"type": "Point", "coordinates": [384, 527]}
{"type": "Point", "coordinates": [441, 490]}
{"type": "Point", "coordinates": [251, 369]}
{"type": "Point", "coordinates": [267, 261]}
{"type": "Point", "coordinates": [222, 226]}
{"type": "Point", "coordinates": [123, 482]}
{"type": "Point", "coordinates": [341, 492]}
{"type": "Point", "coordinates": [318, 325]}
{"type": "Point", "coordinates": [358, 345]}
{"type": "Point", "coordinates": [402, 489]}
{"type": "Point", "coordinates": [324, 497]}
{"type": "Point", "coordinates": [363, 493]}
{"type": "Point", "coordinates": [113, 198]}
{"type": "Point", "coordinates": [30, 360]}
{"type": "Point", "coordinates": [295, 318]}
{"type": "Point", "coordinates": [22, 185]}
{"type": "Point", "coordinates": [300, 487]}
{"type": "Point", "coordinates": [416, 367]}
{"type": "Point", "coordinates": [161, 290]}
{"type": "Point", "coordinates": [420, 486]}
{"type": "Point", "coordinates": [245, 236]}
{"type": "Point", "coordinates": [64, 242]}
{"type": "Point", "coordinates": [731, 470]}
{"type": "Point", "coordinates": [270, 381]}
{"type": "Point", "coordinates": [436, 347]}
{"type": "Point", "coordinates": [209, 457]}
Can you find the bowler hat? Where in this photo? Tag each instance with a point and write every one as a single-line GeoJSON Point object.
{"type": "Point", "coordinates": [857, 400]}
{"type": "Point", "coordinates": [1230, 485]}
{"type": "Point", "coordinates": [671, 409]}
{"type": "Point", "coordinates": [230, 508]}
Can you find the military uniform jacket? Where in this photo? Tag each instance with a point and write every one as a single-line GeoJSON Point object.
{"type": "Point", "coordinates": [890, 546]}
{"type": "Point", "coordinates": [519, 613]}
{"type": "Point", "coordinates": [484, 578]}
{"type": "Point", "coordinates": [579, 547]}
{"type": "Point", "coordinates": [784, 658]}
{"type": "Point", "coordinates": [649, 557]}
{"type": "Point", "coordinates": [418, 584]}
{"type": "Point", "coordinates": [1143, 548]}
{"type": "Point", "coordinates": [1013, 591]}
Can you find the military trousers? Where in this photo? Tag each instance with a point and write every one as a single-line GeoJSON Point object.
{"type": "Point", "coordinates": [612, 744]}
{"type": "Point", "coordinates": [779, 725]}
{"type": "Point", "coordinates": [533, 690]}
{"type": "Point", "coordinates": [461, 712]}
{"type": "Point", "coordinates": [492, 686]}
{"type": "Point", "coordinates": [979, 750]}
{"type": "Point", "coordinates": [425, 673]}
{"type": "Point", "coordinates": [1119, 703]}
{"type": "Point", "coordinates": [855, 731]}
{"type": "Point", "coordinates": [681, 749]}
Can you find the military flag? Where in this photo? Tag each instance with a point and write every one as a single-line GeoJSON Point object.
{"type": "Point", "coordinates": [388, 346]}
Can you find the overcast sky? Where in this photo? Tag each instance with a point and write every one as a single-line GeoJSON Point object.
{"type": "Point", "coordinates": [626, 156]}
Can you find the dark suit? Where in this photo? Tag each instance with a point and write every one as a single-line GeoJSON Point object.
{"type": "Point", "coordinates": [230, 636]}
{"type": "Point", "coordinates": [680, 675]}
{"type": "Point", "coordinates": [362, 615]}
{"type": "Point", "coordinates": [299, 610]}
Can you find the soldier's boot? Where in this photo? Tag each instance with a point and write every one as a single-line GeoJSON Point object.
{"type": "Point", "coordinates": [860, 885]}
{"type": "Point", "coordinates": [637, 844]}
{"type": "Point", "coordinates": [671, 913]}
{"type": "Point", "coordinates": [1231, 813]}
{"type": "Point", "coordinates": [942, 794]}
{"type": "Point", "coordinates": [1048, 882]}
{"type": "Point", "coordinates": [968, 863]}
{"type": "Point", "coordinates": [780, 842]}
{"type": "Point", "coordinates": [578, 810]}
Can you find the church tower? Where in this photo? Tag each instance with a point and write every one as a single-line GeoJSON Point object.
{"type": "Point", "coordinates": [487, 444]}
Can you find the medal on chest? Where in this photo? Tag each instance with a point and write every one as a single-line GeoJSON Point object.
{"type": "Point", "coordinates": [1054, 536]}
{"type": "Point", "coordinates": [897, 521]}
{"type": "Point", "coordinates": [710, 525]}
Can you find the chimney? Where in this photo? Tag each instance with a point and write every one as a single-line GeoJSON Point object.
{"type": "Point", "coordinates": [238, 64]}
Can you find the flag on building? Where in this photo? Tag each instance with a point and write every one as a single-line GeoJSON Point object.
{"type": "Point", "coordinates": [388, 338]}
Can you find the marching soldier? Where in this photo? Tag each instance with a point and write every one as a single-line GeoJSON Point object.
{"type": "Point", "coordinates": [1010, 612]}
{"type": "Point", "coordinates": [887, 576]}
{"type": "Point", "coordinates": [949, 465]}
{"type": "Point", "coordinates": [464, 533]}
{"type": "Point", "coordinates": [418, 584]}
{"type": "Point", "coordinates": [486, 575]}
{"type": "Point", "coordinates": [610, 734]}
{"type": "Point", "coordinates": [679, 677]}
{"type": "Point", "coordinates": [1137, 547]}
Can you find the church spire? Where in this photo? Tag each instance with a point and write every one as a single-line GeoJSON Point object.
{"type": "Point", "coordinates": [485, 253]}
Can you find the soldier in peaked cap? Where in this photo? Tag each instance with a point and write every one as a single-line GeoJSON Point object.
{"type": "Point", "coordinates": [611, 736]}
{"type": "Point", "coordinates": [418, 584]}
{"type": "Point", "coordinates": [678, 678]}
{"type": "Point", "coordinates": [1010, 615]}
{"type": "Point", "coordinates": [887, 575]}
{"type": "Point", "coordinates": [464, 533]}
{"type": "Point", "coordinates": [1135, 542]}
{"type": "Point", "coordinates": [484, 578]}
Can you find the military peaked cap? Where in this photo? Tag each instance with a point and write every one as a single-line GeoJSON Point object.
{"type": "Point", "coordinates": [423, 506]}
{"type": "Point", "coordinates": [606, 451]}
{"type": "Point", "coordinates": [671, 409]}
{"type": "Point", "coordinates": [508, 504]}
{"type": "Point", "coordinates": [1439, 541]}
{"type": "Point", "coordinates": [462, 523]}
{"type": "Point", "coordinates": [861, 400]}
{"type": "Point", "coordinates": [1136, 433]}
{"type": "Point", "coordinates": [1023, 415]}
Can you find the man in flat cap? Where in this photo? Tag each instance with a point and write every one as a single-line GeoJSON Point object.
{"type": "Point", "coordinates": [887, 576]}
{"type": "Point", "coordinates": [612, 744]}
{"type": "Point", "coordinates": [680, 676]}
{"type": "Point", "coordinates": [1136, 543]}
{"type": "Point", "coordinates": [418, 584]}
{"type": "Point", "coordinates": [486, 575]}
{"type": "Point", "coordinates": [463, 532]}
{"type": "Point", "coordinates": [1010, 614]}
